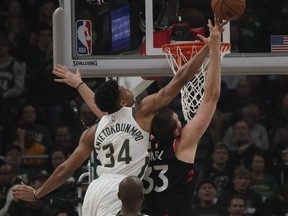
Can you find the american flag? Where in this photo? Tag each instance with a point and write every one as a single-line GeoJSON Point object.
{"type": "Point", "coordinates": [279, 43]}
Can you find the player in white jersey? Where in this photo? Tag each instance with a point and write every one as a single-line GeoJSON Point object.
{"type": "Point", "coordinates": [122, 148]}
{"type": "Point", "coordinates": [126, 139]}
{"type": "Point", "coordinates": [111, 103]}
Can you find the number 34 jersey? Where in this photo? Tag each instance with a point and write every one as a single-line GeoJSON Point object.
{"type": "Point", "coordinates": [121, 144]}
{"type": "Point", "coordinates": [168, 183]}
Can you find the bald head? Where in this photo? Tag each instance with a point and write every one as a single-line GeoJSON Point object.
{"type": "Point", "coordinates": [130, 189]}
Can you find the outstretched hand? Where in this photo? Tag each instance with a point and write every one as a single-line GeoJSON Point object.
{"type": "Point", "coordinates": [23, 192]}
{"type": "Point", "coordinates": [215, 31]}
{"type": "Point", "coordinates": [219, 24]}
{"type": "Point", "coordinates": [66, 76]}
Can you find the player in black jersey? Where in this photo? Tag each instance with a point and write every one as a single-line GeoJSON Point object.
{"type": "Point", "coordinates": [170, 177]}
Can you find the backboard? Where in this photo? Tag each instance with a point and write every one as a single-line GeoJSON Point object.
{"type": "Point", "coordinates": [118, 39]}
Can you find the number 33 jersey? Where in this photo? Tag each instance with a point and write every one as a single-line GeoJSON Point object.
{"type": "Point", "coordinates": [121, 144]}
{"type": "Point", "coordinates": [168, 183]}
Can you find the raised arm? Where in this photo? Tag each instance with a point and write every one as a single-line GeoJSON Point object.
{"type": "Point", "coordinates": [154, 102]}
{"type": "Point", "coordinates": [74, 80]}
{"type": "Point", "coordinates": [195, 128]}
{"type": "Point", "coordinates": [62, 172]}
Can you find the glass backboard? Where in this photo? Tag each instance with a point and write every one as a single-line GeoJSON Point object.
{"type": "Point", "coordinates": [124, 37]}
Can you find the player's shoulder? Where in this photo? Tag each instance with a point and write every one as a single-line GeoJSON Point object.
{"type": "Point", "coordinates": [93, 127]}
{"type": "Point", "coordinates": [91, 130]}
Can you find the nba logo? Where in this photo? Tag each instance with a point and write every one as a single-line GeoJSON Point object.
{"type": "Point", "coordinates": [84, 37]}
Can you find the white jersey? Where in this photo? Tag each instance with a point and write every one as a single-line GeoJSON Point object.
{"type": "Point", "coordinates": [121, 144]}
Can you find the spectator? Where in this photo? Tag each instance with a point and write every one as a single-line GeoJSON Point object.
{"type": "Point", "coordinates": [29, 113]}
{"type": "Point", "coordinates": [13, 157]}
{"type": "Point", "coordinates": [19, 30]}
{"type": "Point", "coordinates": [63, 139]}
{"type": "Point", "coordinates": [259, 134]}
{"type": "Point", "coordinates": [206, 195]}
{"type": "Point", "coordinates": [219, 170]}
{"type": "Point", "coordinates": [240, 143]}
{"type": "Point", "coordinates": [251, 114]}
{"type": "Point", "coordinates": [278, 118]}
{"type": "Point", "coordinates": [277, 204]}
{"type": "Point", "coordinates": [237, 98]}
{"type": "Point", "coordinates": [280, 168]}
{"type": "Point", "coordinates": [8, 180]}
{"type": "Point", "coordinates": [261, 181]}
{"type": "Point", "coordinates": [26, 141]}
{"type": "Point", "coordinates": [46, 11]}
{"type": "Point", "coordinates": [131, 195]}
{"type": "Point", "coordinates": [280, 139]}
{"type": "Point", "coordinates": [261, 88]}
{"type": "Point", "coordinates": [12, 84]}
{"type": "Point", "coordinates": [241, 183]}
{"type": "Point", "coordinates": [56, 157]}
{"type": "Point", "coordinates": [237, 206]}
{"type": "Point", "coordinates": [218, 125]}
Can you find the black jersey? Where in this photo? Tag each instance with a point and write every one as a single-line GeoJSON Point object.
{"type": "Point", "coordinates": [168, 183]}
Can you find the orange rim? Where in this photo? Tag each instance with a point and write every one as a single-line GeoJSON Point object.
{"type": "Point", "coordinates": [188, 48]}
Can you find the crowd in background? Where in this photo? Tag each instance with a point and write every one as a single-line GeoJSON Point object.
{"type": "Point", "coordinates": [243, 154]}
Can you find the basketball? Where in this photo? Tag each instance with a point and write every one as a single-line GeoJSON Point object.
{"type": "Point", "coordinates": [228, 9]}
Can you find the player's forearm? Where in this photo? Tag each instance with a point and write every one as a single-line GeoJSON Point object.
{"type": "Point", "coordinates": [213, 77]}
{"type": "Point", "coordinates": [59, 177]}
{"type": "Point", "coordinates": [182, 77]}
{"type": "Point", "coordinates": [188, 71]}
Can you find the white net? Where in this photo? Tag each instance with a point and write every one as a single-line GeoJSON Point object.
{"type": "Point", "coordinates": [193, 92]}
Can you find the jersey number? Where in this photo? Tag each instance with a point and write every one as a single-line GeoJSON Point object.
{"type": "Point", "coordinates": [122, 156]}
{"type": "Point", "coordinates": [162, 169]}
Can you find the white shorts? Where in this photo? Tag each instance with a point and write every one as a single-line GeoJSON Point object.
{"type": "Point", "coordinates": [101, 197]}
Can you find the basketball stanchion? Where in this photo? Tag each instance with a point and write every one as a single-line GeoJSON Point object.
{"type": "Point", "coordinates": [178, 54]}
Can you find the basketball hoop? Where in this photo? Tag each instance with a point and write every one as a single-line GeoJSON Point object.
{"type": "Point", "coordinates": [178, 54]}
